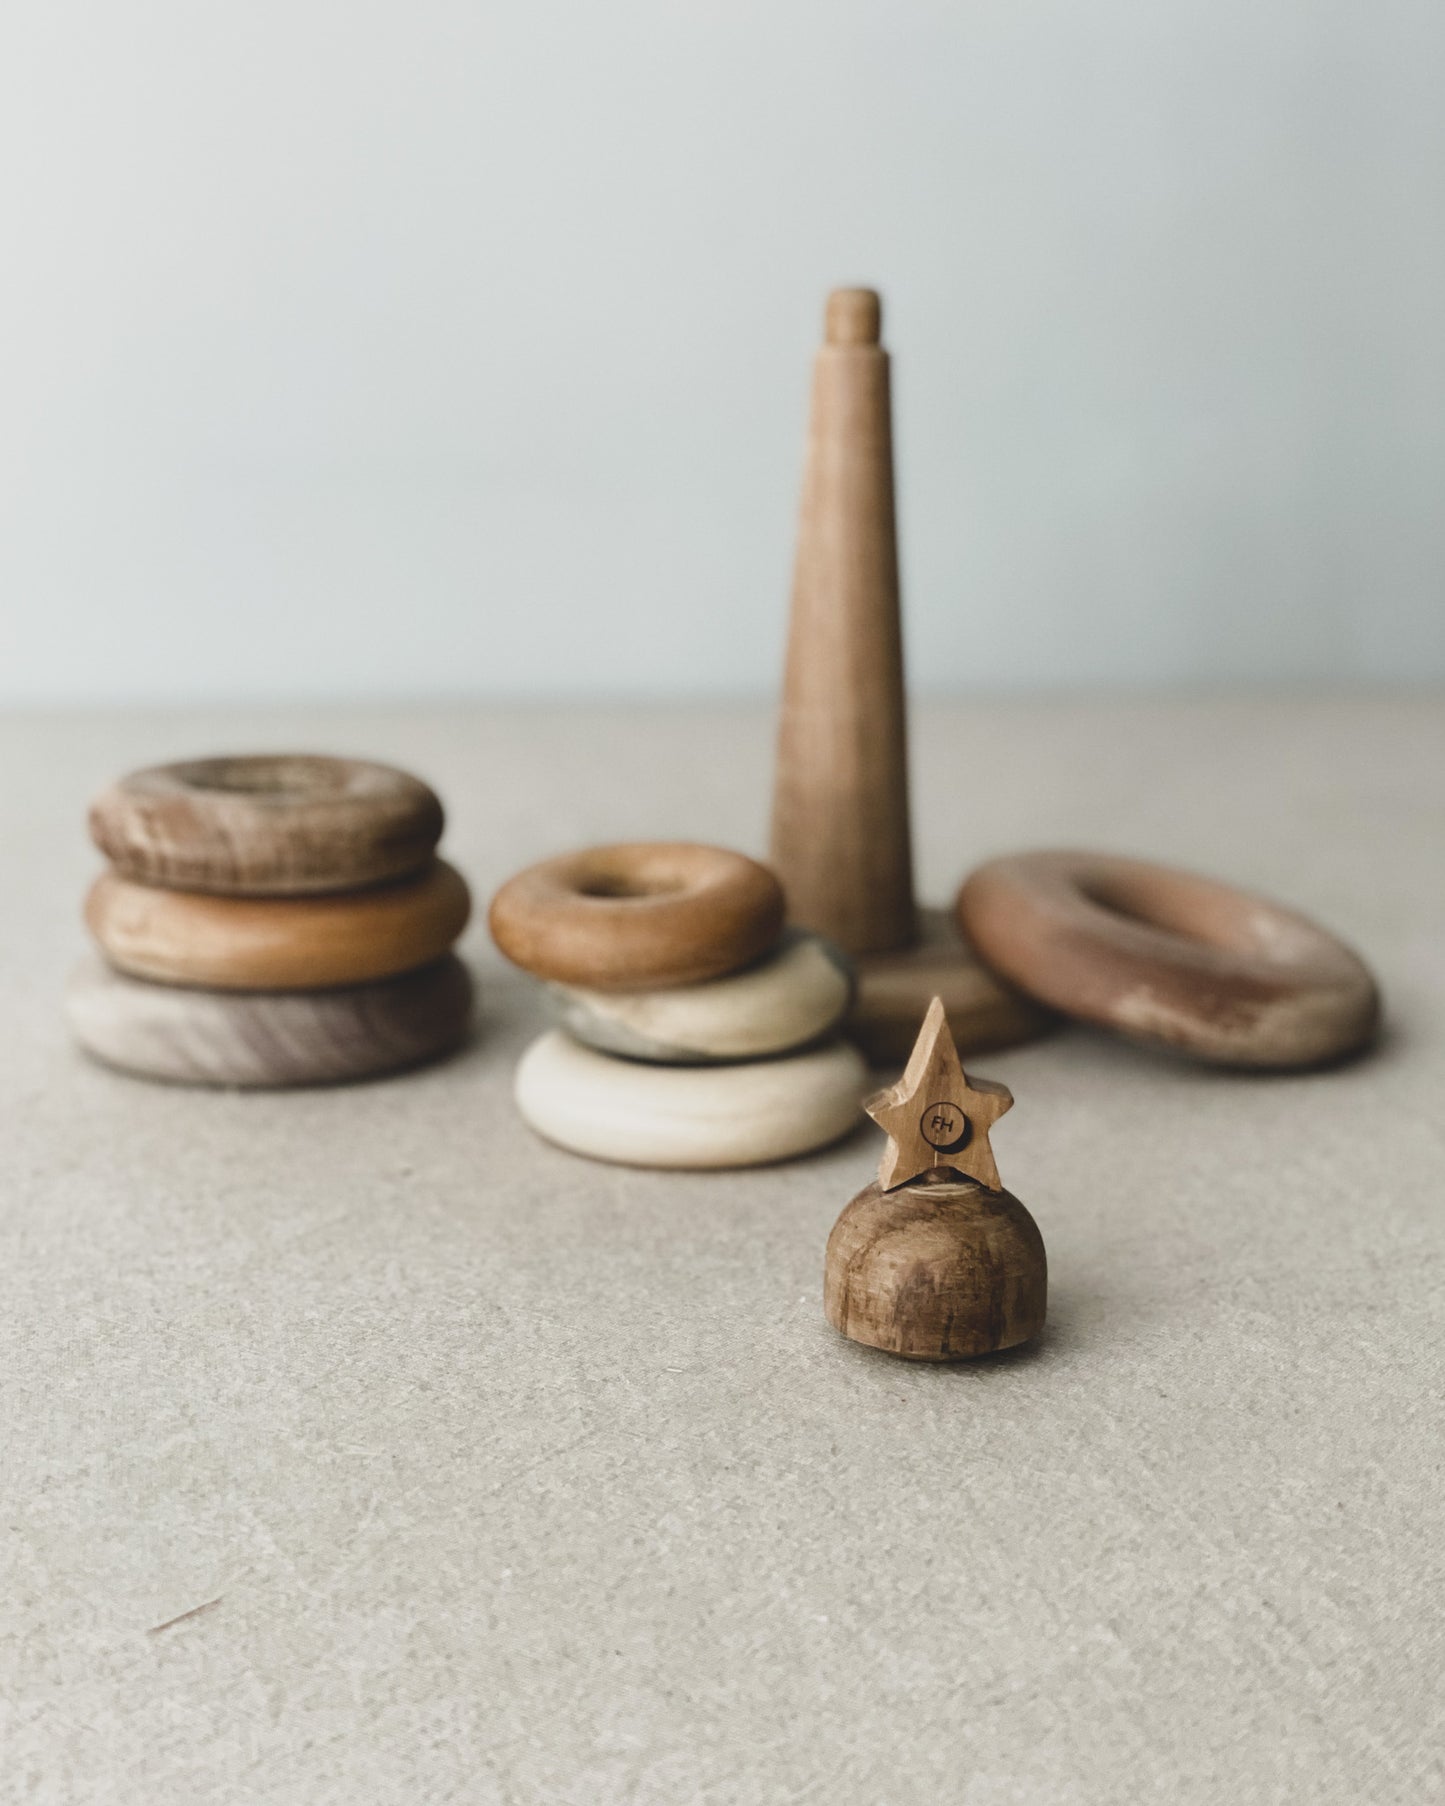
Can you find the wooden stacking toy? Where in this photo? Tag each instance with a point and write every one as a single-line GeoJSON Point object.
{"type": "Point", "coordinates": [271, 920]}
{"type": "Point", "coordinates": [696, 1030]}
{"type": "Point", "coordinates": [841, 838]}
{"type": "Point", "coordinates": [1171, 958]}
{"type": "Point", "coordinates": [935, 1260]}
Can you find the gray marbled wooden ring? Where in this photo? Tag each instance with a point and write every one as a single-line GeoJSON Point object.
{"type": "Point", "coordinates": [792, 996]}
{"type": "Point", "coordinates": [258, 1038]}
{"type": "Point", "coordinates": [271, 824]}
{"type": "Point", "coordinates": [1169, 957]}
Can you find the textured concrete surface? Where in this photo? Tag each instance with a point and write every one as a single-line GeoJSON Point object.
{"type": "Point", "coordinates": [490, 1476]}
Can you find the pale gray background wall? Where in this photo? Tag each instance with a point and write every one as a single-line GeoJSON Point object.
{"type": "Point", "coordinates": [447, 347]}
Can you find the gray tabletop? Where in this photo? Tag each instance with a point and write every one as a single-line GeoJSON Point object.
{"type": "Point", "coordinates": [486, 1474]}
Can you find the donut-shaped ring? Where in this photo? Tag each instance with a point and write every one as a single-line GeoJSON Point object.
{"type": "Point", "coordinates": [689, 1116]}
{"type": "Point", "coordinates": [787, 999]}
{"type": "Point", "coordinates": [277, 943]}
{"type": "Point", "coordinates": [638, 916]}
{"type": "Point", "coordinates": [273, 824]}
{"type": "Point", "coordinates": [1170, 958]}
{"type": "Point", "coordinates": [283, 1038]}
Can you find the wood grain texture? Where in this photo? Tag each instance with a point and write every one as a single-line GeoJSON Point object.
{"type": "Point", "coordinates": [638, 916]}
{"type": "Point", "coordinates": [938, 1270]}
{"type": "Point", "coordinates": [840, 834]}
{"type": "Point", "coordinates": [1171, 958]}
{"type": "Point", "coordinates": [789, 998]}
{"type": "Point", "coordinates": [894, 990]}
{"type": "Point", "coordinates": [270, 824]}
{"type": "Point", "coordinates": [689, 1116]}
{"type": "Point", "coordinates": [277, 943]}
{"type": "Point", "coordinates": [935, 1116]}
{"type": "Point", "coordinates": [261, 1038]}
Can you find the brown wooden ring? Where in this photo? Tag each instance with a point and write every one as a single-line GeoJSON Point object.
{"type": "Point", "coordinates": [270, 824]}
{"type": "Point", "coordinates": [277, 943]}
{"type": "Point", "coordinates": [638, 916]}
{"type": "Point", "coordinates": [1170, 958]}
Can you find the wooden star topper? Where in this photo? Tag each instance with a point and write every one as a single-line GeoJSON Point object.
{"type": "Point", "coordinates": [934, 1116]}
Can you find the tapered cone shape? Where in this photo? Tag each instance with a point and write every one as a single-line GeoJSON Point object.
{"type": "Point", "coordinates": [840, 839]}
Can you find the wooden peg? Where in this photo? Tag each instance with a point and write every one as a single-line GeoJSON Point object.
{"type": "Point", "coordinates": [935, 1116]}
{"type": "Point", "coordinates": [841, 841]}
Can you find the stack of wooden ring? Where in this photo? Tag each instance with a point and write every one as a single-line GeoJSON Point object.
{"type": "Point", "coordinates": [271, 920]}
{"type": "Point", "coordinates": [697, 1031]}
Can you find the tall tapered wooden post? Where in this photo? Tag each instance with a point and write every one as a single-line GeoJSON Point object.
{"type": "Point", "coordinates": [841, 842]}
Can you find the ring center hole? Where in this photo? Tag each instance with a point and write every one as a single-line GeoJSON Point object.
{"type": "Point", "coordinates": [265, 776]}
{"type": "Point", "coordinates": [1119, 904]}
{"type": "Point", "coordinates": [617, 888]}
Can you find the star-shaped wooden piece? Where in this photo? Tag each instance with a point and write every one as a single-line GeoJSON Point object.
{"type": "Point", "coordinates": [935, 1116]}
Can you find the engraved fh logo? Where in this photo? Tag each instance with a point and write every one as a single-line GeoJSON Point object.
{"type": "Point", "coordinates": [944, 1126]}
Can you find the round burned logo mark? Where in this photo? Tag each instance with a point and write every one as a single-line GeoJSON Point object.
{"type": "Point", "coordinates": [944, 1126]}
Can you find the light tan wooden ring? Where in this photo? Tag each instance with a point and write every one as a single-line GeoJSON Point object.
{"type": "Point", "coordinates": [1171, 958]}
{"type": "Point", "coordinates": [255, 1038]}
{"type": "Point", "coordinates": [272, 824]}
{"type": "Point", "coordinates": [689, 1117]}
{"type": "Point", "coordinates": [638, 916]}
{"type": "Point", "coordinates": [277, 943]}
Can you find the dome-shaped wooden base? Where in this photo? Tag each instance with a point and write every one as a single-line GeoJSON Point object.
{"type": "Point", "coordinates": [937, 1270]}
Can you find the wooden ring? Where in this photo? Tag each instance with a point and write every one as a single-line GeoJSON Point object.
{"type": "Point", "coordinates": [638, 916]}
{"type": "Point", "coordinates": [1170, 958]}
{"type": "Point", "coordinates": [268, 1037]}
{"type": "Point", "coordinates": [273, 824]}
{"type": "Point", "coordinates": [788, 999]}
{"type": "Point", "coordinates": [277, 943]}
{"type": "Point", "coordinates": [689, 1116]}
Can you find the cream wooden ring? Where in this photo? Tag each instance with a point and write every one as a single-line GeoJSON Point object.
{"type": "Point", "coordinates": [273, 824]}
{"type": "Point", "coordinates": [791, 997]}
{"type": "Point", "coordinates": [638, 916]}
{"type": "Point", "coordinates": [277, 943]}
{"type": "Point", "coordinates": [268, 1037]}
{"type": "Point", "coordinates": [689, 1116]}
{"type": "Point", "coordinates": [1169, 957]}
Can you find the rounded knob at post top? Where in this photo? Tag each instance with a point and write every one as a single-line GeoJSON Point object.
{"type": "Point", "coordinates": [854, 316]}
